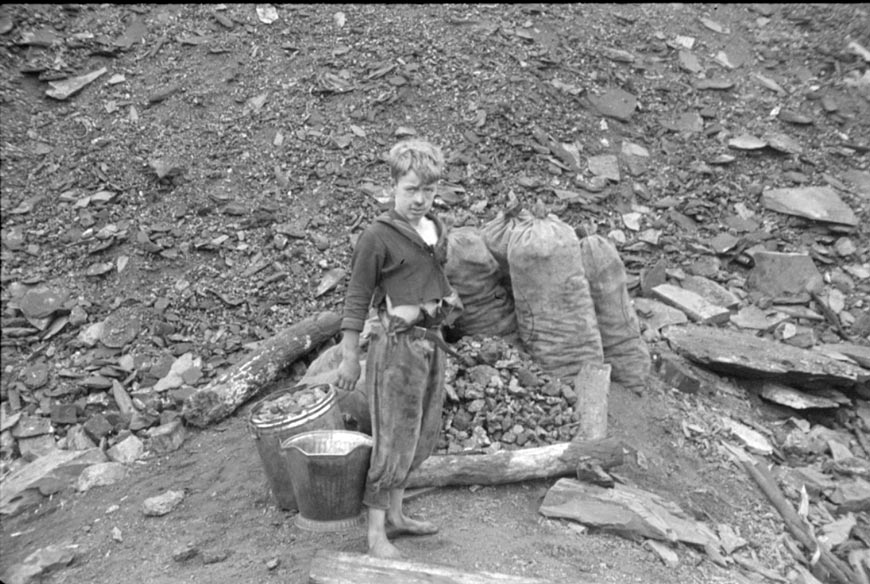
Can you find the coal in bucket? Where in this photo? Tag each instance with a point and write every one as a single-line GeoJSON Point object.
{"type": "Point", "coordinates": [329, 469]}
{"type": "Point", "coordinates": [282, 415]}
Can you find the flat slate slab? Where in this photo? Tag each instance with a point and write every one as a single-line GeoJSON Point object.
{"type": "Point", "coordinates": [625, 510]}
{"type": "Point", "coordinates": [746, 355]}
{"type": "Point", "coordinates": [694, 305]}
{"type": "Point", "coordinates": [818, 203]}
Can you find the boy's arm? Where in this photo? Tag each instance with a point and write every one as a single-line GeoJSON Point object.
{"type": "Point", "coordinates": [349, 369]}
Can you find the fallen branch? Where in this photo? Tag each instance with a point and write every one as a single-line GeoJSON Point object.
{"type": "Point", "coordinates": [837, 569]}
{"type": "Point", "coordinates": [511, 466]}
{"type": "Point", "coordinates": [224, 395]}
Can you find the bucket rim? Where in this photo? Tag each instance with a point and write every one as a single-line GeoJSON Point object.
{"type": "Point", "coordinates": [331, 394]}
{"type": "Point", "coordinates": [366, 440]}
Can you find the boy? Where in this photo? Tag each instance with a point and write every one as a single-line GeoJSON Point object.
{"type": "Point", "coordinates": [397, 268]}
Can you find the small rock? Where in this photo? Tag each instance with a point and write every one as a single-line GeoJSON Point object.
{"type": "Point", "coordinates": [167, 437]}
{"type": "Point", "coordinates": [615, 103]}
{"type": "Point", "coordinates": [852, 496]}
{"type": "Point", "coordinates": [273, 563]}
{"type": "Point", "coordinates": [656, 314]}
{"type": "Point", "coordinates": [63, 414]}
{"type": "Point", "coordinates": [214, 556]}
{"type": "Point", "coordinates": [188, 552]}
{"type": "Point", "coordinates": [97, 427]}
{"type": "Point", "coordinates": [162, 504]}
{"type": "Point", "coordinates": [42, 301]}
{"type": "Point", "coordinates": [723, 243]}
{"type": "Point", "coordinates": [38, 564]}
{"type": "Point", "coordinates": [784, 275]}
{"type": "Point", "coordinates": [711, 291]}
{"type": "Point", "coordinates": [29, 426]}
{"type": "Point", "coordinates": [77, 439]}
{"type": "Point", "coordinates": [116, 535]}
{"type": "Point", "coordinates": [845, 247]}
{"type": "Point", "coordinates": [35, 375]}
{"type": "Point", "coordinates": [100, 475]}
{"type": "Point", "coordinates": [127, 451]}
{"type": "Point", "coordinates": [36, 446]}
{"type": "Point", "coordinates": [677, 374]}
{"type": "Point", "coordinates": [752, 317]}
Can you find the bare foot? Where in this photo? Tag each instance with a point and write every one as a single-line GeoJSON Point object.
{"type": "Point", "coordinates": [382, 548]}
{"type": "Point", "coordinates": [404, 525]}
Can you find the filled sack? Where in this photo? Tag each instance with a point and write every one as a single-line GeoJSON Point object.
{"type": "Point", "coordinates": [618, 325]}
{"type": "Point", "coordinates": [477, 278]}
{"type": "Point", "coordinates": [552, 301]}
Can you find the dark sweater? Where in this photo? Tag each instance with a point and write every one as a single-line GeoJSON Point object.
{"type": "Point", "coordinates": [391, 259]}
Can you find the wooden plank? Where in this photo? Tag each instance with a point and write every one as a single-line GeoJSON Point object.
{"type": "Point", "coordinates": [510, 466]}
{"type": "Point", "coordinates": [331, 567]}
{"type": "Point", "coordinates": [224, 395]}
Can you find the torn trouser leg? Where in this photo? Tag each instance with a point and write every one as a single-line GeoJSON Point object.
{"type": "Point", "coordinates": [405, 386]}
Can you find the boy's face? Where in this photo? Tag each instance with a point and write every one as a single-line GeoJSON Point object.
{"type": "Point", "coordinates": [412, 198]}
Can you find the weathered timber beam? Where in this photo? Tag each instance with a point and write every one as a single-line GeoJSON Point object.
{"type": "Point", "coordinates": [511, 466]}
{"type": "Point", "coordinates": [221, 397]}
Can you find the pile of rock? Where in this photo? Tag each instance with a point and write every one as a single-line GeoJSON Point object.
{"type": "Point", "coordinates": [498, 398]}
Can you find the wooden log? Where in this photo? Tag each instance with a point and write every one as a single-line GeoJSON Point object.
{"type": "Point", "coordinates": [224, 395]}
{"type": "Point", "coordinates": [511, 466]}
{"type": "Point", "coordinates": [330, 567]}
{"type": "Point", "coordinates": [837, 569]}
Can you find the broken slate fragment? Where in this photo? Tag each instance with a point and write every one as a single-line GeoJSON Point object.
{"type": "Point", "coordinates": [119, 328]}
{"type": "Point", "coordinates": [62, 90]}
{"type": "Point", "coordinates": [794, 118]}
{"type": "Point", "coordinates": [688, 122]}
{"type": "Point", "coordinates": [625, 510]}
{"type": "Point", "coordinates": [782, 142]}
{"type": "Point", "coordinates": [751, 439]}
{"type": "Point", "coordinates": [852, 496]}
{"type": "Point", "coordinates": [329, 281]}
{"type": "Point", "coordinates": [181, 368]}
{"type": "Point", "coordinates": [722, 243]}
{"type": "Point", "coordinates": [167, 437]}
{"type": "Point", "coordinates": [818, 203]}
{"type": "Point", "coordinates": [162, 504]}
{"type": "Point", "coordinates": [39, 564]}
{"type": "Point", "coordinates": [746, 142]}
{"type": "Point", "coordinates": [752, 317]}
{"type": "Point", "coordinates": [605, 166]}
{"type": "Point", "coordinates": [42, 302]}
{"type": "Point", "coordinates": [100, 475]}
{"type": "Point", "coordinates": [127, 451]}
{"type": "Point", "coordinates": [711, 291]}
{"type": "Point", "coordinates": [615, 103]}
{"type": "Point", "coordinates": [694, 305]}
{"type": "Point", "coordinates": [784, 276]}
{"type": "Point", "coordinates": [657, 315]}
{"type": "Point", "coordinates": [794, 398]}
{"type": "Point", "coordinates": [746, 355]}
{"type": "Point", "coordinates": [717, 84]}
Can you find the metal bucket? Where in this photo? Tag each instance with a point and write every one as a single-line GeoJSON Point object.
{"type": "Point", "coordinates": [329, 469]}
{"type": "Point", "coordinates": [323, 415]}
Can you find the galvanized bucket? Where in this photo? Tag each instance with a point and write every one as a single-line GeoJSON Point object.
{"type": "Point", "coordinates": [323, 415]}
{"type": "Point", "coordinates": [329, 469]}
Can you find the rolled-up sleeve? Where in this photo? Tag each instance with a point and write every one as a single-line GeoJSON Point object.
{"type": "Point", "coordinates": [366, 263]}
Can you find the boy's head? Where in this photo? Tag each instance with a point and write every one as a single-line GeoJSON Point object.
{"type": "Point", "coordinates": [419, 156]}
{"type": "Point", "coordinates": [415, 167]}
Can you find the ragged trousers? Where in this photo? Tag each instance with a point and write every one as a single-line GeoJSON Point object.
{"type": "Point", "coordinates": [405, 387]}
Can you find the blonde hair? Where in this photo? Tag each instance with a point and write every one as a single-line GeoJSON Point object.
{"type": "Point", "coordinates": [420, 156]}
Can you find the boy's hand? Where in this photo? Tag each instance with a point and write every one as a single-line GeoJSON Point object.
{"type": "Point", "coordinates": [348, 374]}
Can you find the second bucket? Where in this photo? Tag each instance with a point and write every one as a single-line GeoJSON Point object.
{"type": "Point", "coordinates": [268, 435]}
